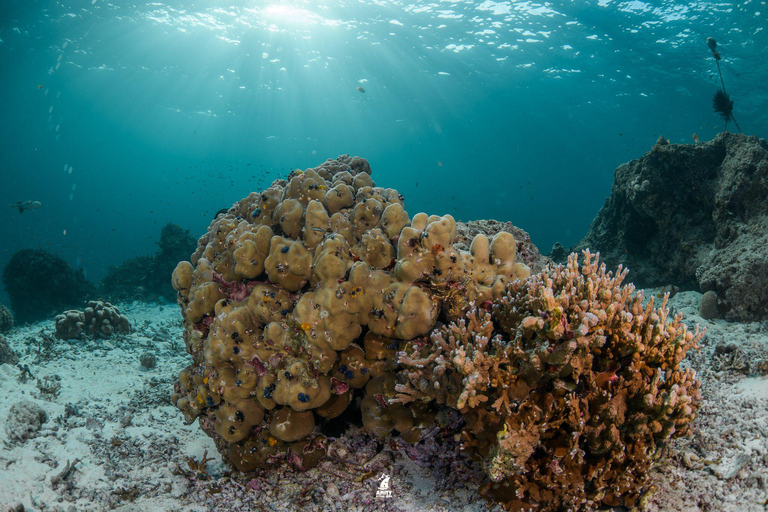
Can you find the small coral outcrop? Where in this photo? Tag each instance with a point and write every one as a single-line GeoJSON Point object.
{"type": "Point", "coordinates": [695, 215]}
{"type": "Point", "coordinates": [568, 389]}
{"type": "Point", "coordinates": [6, 319]}
{"type": "Point", "coordinates": [40, 284]}
{"type": "Point", "coordinates": [298, 298]}
{"type": "Point", "coordinates": [24, 420]}
{"type": "Point", "coordinates": [98, 320]}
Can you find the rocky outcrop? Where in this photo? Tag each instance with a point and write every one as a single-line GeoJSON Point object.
{"type": "Point", "coordinates": [695, 216]}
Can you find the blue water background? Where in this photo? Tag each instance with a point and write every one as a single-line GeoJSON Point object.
{"type": "Point", "coordinates": [120, 117]}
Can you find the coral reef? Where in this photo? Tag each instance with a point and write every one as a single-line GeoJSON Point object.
{"type": "Point", "coordinates": [24, 420]}
{"type": "Point", "coordinates": [41, 284]}
{"type": "Point", "coordinates": [298, 298]}
{"type": "Point", "coordinates": [146, 277]}
{"type": "Point", "coordinates": [6, 319]}
{"type": "Point", "coordinates": [319, 303]}
{"type": "Point", "coordinates": [98, 320]}
{"type": "Point", "coordinates": [695, 216]}
{"type": "Point", "coordinates": [571, 409]}
{"type": "Point", "coordinates": [7, 355]}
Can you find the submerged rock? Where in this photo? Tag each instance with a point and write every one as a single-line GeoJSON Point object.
{"type": "Point", "coordinates": [6, 319]}
{"type": "Point", "coordinates": [7, 355]}
{"type": "Point", "coordinates": [693, 215]}
{"type": "Point", "coordinates": [24, 421]}
{"type": "Point", "coordinates": [708, 305]}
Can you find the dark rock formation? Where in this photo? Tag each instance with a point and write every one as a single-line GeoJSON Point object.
{"type": "Point", "coordinates": [149, 277]}
{"type": "Point", "coordinates": [40, 284]}
{"type": "Point", "coordinates": [6, 319]}
{"type": "Point", "coordinates": [695, 216]}
{"type": "Point", "coordinates": [7, 355]}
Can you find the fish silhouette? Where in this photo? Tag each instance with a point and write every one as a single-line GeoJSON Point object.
{"type": "Point", "coordinates": [26, 205]}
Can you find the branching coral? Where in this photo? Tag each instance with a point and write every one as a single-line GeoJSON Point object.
{"type": "Point", "coordinates": [569, 412]}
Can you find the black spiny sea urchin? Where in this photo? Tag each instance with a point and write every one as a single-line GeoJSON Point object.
{"type": "Point", "coordinates": [723, 105]}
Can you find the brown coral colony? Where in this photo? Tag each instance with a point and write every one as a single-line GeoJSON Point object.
{"type": "Point", "coordinates": [320, 294]}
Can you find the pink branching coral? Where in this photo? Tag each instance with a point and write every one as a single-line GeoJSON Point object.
{"type": "Point", "coordinates": [569, 407]}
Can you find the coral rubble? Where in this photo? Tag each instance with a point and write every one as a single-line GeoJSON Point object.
{"type": "Point", "coordinates": [98, 320]}
{"type": "Point", "coordinates": [696, 216]}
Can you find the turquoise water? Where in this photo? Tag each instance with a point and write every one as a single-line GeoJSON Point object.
{"type": "Point", "coordinates": [120, 117]}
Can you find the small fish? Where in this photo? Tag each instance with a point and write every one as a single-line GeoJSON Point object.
{"type": "Point", "coordinates": [695, 138]}
{"type": "Point", "coordinates": [26, 205]}
{"type": "Point", "coordinates": [359, 89]}
{"type": "Point", "coordinates": [39, 87]}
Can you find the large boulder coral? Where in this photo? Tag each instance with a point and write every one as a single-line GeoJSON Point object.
{"type": "Point", "coordinates": [693, 215]}
{"type": "Point", "coordinates": [569, 389]}
{"type": "Point", "coordinates": [298, 298]}
{"type": "Point", "coordinates": [39, 284]}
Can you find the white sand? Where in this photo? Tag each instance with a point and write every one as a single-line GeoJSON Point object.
{"type": "Point", "coordinates": [117, 420]}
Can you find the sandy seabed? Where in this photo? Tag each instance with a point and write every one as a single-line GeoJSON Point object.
{"type": "Point", "coordinates": [112, 440]}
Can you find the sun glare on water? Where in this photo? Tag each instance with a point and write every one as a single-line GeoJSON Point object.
{"type": "Point", "coordinates": [293, 15]}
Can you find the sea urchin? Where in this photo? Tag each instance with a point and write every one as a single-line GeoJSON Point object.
{"type": "Point", "coordinates": [723, 105]}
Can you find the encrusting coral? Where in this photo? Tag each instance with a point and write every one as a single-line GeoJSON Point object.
{"type": "Point", "coordinates": [569, 407]}
{"type": "Point", "coordinates": [98, 320]}
{"type": "Point", "coordinates": [300, 295]}
{"type": "Point", "coordinates": [321, 294]}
